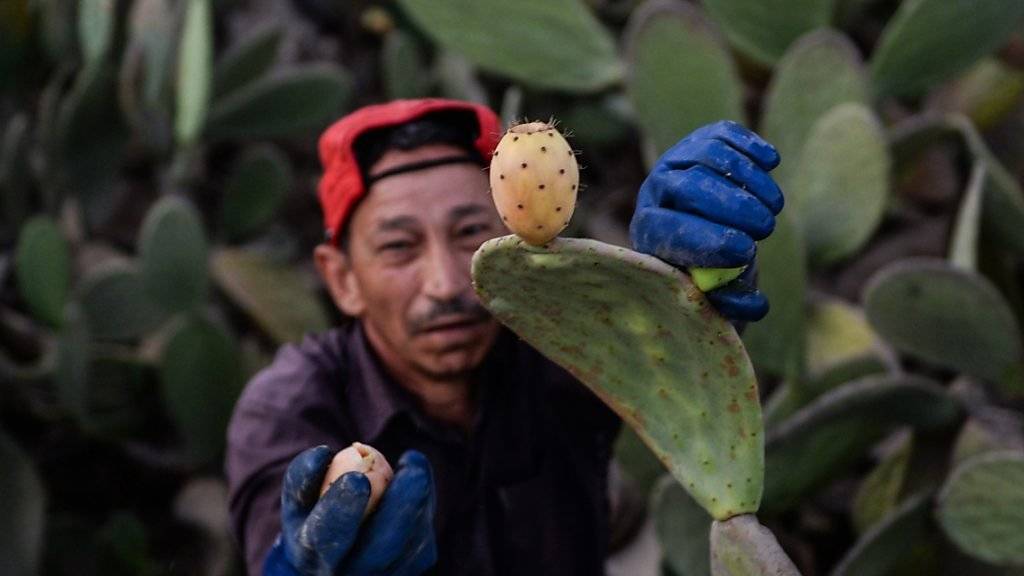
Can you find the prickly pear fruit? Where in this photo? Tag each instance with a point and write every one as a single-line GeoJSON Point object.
{"type": "Point", "coordinates": [534, 179]}
{"type": "Point", "coordinates": [367, 460]}
{"type": "Point", "coordinates": [708, 279]}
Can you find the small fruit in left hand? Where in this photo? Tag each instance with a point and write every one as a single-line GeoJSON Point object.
{"type": "Point", "coordinates": [534, 179]}
{"type": "Point", "coordinates": [367, 460]}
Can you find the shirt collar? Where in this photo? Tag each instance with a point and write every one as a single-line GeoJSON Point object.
{"type": "Point", "coordinates": [377, 397]}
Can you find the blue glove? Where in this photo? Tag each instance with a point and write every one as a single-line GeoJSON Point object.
{"type": "Point", "coordinates": [705, 203]}
{"type": "Point", "coordinates": [324, 537]}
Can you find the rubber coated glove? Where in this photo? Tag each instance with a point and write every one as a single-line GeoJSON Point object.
{"type": "Point", "coordinates": [705, 203]}
{"type": "Point", "coordinates": [323, 536]}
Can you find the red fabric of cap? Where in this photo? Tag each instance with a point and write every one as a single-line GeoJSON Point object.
{"type": "Point", "coordinates": [342, 185]}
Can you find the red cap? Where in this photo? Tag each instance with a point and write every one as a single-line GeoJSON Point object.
{"type": "Point", "coordinates": [341, 186]}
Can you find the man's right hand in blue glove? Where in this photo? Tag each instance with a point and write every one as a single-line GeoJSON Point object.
{"type": "Point", "coordinates": [323, 535]}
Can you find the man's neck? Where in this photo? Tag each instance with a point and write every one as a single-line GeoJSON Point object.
{"type": "Point", "coordinates": [451, 401]}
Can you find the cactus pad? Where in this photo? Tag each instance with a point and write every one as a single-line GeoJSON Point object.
{"type": "Point", "coordinates": [740, 546]}
{"type": "Point", "coordinates": [953, 318]}
{"type": "Point", "coordinates": [683, 528]}
{"type": "Point", "coordinates": [646, 341]}
{"type": "Point", "coordinates": [981, 507]}
{"type": "Point", "coordinates": [889, 541]}
{"type": "Point", "coordinates": [840, 425]}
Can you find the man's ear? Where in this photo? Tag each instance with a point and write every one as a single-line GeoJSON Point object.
{"type": "Point", "coordinates": [335, 268]}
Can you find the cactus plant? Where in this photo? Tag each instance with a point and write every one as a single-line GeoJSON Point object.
{"type": "Point", "coordinates": [686, 386]}
{"type": "Point", "coordinates": [44, 269]}
{"type": "Point", "coordinates": [91, 97]}
{"type": "Point", "coordinates": [947, 316]}
{"type": "Point", "coordinates": [583, 59]}
{"type": "Point", "coordinates": [904, 62]}
{"type": "Point", "coordinates": [981, 507]}
{"type": "Point", "coordinates": [23, 501]}
{"type": "Point", "coordinates": [842, 182]}
{"type": "Point", "coordinates": [173, 253]}
{"type": "Point", "coordinates": [888, 541]}
{"type": "Point", "coordinates": [671, 95]}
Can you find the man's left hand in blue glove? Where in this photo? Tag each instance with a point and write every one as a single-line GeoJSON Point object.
{"type": "Point", "coordinates": [705, 203]}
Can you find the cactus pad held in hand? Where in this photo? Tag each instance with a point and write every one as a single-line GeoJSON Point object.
{"type": "Point", "coordinates": [534, 178]}
{"type": "Point", "coordinates": [646, 341]}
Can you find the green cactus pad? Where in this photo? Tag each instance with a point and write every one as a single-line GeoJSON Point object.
{"type": "Point", "coordinates": [776, 343]}
{"type": "Point", "coordinates": [841, 186]}
{"type": "Point", "coordinates": [986, 93]}
{"type": "Point", "coordinates": [764, 30]}
{"type": "Point", "coordinates": [674, 95]}
{"type": "Point", "coordinates": [246, 61]}
{"type": "Point", "coordinates": [885, 545]}
{"type": "Point", "coordinates": [116, 304]}
{"type": "Point", "coordinates": [981, 507]}
{"type": "Point", "coordinates": [152, 31]}
{"type": "Point", "coordinates": [820, 71]}
{"type": "Point", "coordinates": [928, 41]}
{"type": "Point", "coordinates": [96, 22]}
{"type": "Point", "coordinates": [648, 343]}
{"type": "Point", "coordinates": [90, 138]}
{"type": "Point", "coordinates": [200, 378]}
{"type": "Point", "coordinates": [403, 66]}
{"type": "Point", "coordinates": [259, 183]}
{"type": "Point", "coordinates": [300, 100]}
{"type": "Point", "coordinates": [43, 269]}
{"type": "Point", "coordinates": [950, 317]}
{"type": "Point", "coordinates": [879, 492]}
{"type": "Point", "coordinates": [839, 334]}
{"type": "Point", "coordinates": [839, 426]}
{"type": "Point", "coordinates": [740, 546]}
{"type": "Point", "coordinates": [173, 253]}
{"type": "Point", "coordinates": [281, 301]}
{"type": "Point", "coordinates": [195, 72]}
{"type": "Point", "coordinates": [23, 501]}
{"type": "Point", "coordinates": [841, 346]}
{"type": "Point", "coordinates": [963, 244]}
{"type": "Point", "coordinates": [552, 44]}
{"type": "Point", "coordinates": [683, 528]}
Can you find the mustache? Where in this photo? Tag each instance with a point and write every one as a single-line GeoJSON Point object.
{"type": "Point", "coordinates": [467, 308]}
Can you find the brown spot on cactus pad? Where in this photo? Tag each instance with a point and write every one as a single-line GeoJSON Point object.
{"type": "Point", "coordinates": [367, 460]}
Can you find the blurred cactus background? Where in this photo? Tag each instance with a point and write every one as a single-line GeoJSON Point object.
{"type": "Point", "coordinates": [158, 212]}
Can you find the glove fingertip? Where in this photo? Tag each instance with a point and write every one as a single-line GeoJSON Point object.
{"type": "Point", "coordinates": [413, 458]}
{"type": "Point", "coordinates": [305, 474]}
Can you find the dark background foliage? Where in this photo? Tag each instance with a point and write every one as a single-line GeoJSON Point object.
{"type": "Point", "coordinates": [158, 171]}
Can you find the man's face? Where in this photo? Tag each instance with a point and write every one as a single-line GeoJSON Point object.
{"type": "Point", "coordinates": [411, 241]}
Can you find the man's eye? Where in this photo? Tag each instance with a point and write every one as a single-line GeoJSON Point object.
{"type": "Point", "coordinates": [396, 246]}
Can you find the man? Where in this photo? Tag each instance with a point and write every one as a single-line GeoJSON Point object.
{"type": "Point", "coordinates": [502, 457]}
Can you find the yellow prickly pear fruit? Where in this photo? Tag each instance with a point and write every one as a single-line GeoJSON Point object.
{"type": "Point", "coordinates": [534, 179]}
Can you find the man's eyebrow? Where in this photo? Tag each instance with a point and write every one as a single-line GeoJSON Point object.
{"type": "Point", "coordinates": [465, 210]}
{"type": "Point", "coordinates": [396, 223]}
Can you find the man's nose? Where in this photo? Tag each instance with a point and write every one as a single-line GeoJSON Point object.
{"type": "Point", "coordinates": [446, 274]}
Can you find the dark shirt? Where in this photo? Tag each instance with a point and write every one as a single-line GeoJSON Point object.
{"type": "Point", "coordinates": [524, 493]}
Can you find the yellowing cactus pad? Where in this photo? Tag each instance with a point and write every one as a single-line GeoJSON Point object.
{"type": "Point", "coordinates": [534, 179]}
